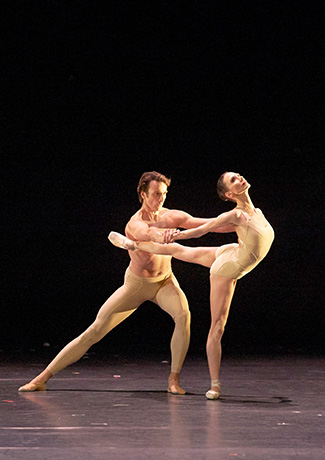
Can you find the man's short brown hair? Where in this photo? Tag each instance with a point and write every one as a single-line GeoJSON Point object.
{"type": "Point", "coordinates": [145, 180]}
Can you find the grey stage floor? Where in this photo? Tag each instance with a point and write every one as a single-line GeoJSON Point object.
{"type": "Point", "coordinates": [270, 408]}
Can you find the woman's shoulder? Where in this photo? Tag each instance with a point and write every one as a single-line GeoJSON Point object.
{"type": "Point", "coordinates": [234, 216]}
{"type": "Point", "coordinates": [236, 212]}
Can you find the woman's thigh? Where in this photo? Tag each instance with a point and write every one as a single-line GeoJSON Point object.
{"type": "Point", "coordinates": [197, 255]}
{"type": "Point", "coordinates": [221, 294]}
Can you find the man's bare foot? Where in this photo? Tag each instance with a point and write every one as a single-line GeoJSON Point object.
{"type": "Point", "coordinates": [33, 386]}
{"type": "Point", "coordinates": [174, 386]}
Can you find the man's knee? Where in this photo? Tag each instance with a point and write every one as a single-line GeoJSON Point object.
{"type": "Point", "coordinates": [93, 334]}
{"type": "Point", "coordinates": [183, 317]}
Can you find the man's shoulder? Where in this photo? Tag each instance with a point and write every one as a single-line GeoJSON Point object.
{"type": "Point", "coordinates": [133, 219]}
{"type": "Point", "coordinates": [165, 212]}
{"type": "Point", "coordinates": [169, 214]}
{"type": "Point", "coordinates": [135, 215]}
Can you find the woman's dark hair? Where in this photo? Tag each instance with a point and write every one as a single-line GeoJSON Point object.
{"type": "Point", "coordinates": [222, 189]}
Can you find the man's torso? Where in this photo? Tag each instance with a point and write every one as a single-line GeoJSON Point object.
{"type": "Point", "coordinates": [143, 263]}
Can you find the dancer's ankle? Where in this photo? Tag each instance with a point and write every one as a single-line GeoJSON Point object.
{"type": "Point", "coordinates": [173, 377]}
{"type": "Point", "coordinates": [215, 383]}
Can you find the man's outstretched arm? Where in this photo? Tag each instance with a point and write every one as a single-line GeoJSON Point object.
{"type": "Point", "coordinates": [140, 231]}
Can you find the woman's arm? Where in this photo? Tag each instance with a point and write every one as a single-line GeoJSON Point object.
{"type": "Point", "coordinates": [225, 219]}
{"type": "Point", "coordinates": [181, 219]}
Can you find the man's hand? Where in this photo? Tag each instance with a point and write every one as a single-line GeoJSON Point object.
{"type": "Point", "coordinates": [166, 236]}
{"type": "Point", "coordinates": [159, 237]}
{"type": "Point", "coordinates": [169, 235]}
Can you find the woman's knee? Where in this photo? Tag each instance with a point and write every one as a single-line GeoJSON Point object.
{"type": "Point", "coordinates": [217, 330]}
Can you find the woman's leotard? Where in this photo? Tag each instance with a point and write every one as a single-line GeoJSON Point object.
{"type": "Point", "coordinates": [255, 239]}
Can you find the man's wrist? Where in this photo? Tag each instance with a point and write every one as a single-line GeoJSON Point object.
{"type": "Point", "coordinates": [159, 237]}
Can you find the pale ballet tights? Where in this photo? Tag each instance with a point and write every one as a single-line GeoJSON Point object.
{"type": "Point", "coordinates": [164, 291]}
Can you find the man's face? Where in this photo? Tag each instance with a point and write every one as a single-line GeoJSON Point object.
{"type": "Point", "coordinates": [155, 197]}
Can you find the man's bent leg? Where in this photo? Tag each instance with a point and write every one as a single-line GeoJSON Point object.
{"type": "Point", "coordinates": [172, 300]}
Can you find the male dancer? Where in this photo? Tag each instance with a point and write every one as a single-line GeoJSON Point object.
{"type": "Point", "coordinates": [148, 277]}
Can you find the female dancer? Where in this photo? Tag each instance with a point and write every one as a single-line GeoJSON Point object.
{"type": "Point", "coordinates": [227, 263]}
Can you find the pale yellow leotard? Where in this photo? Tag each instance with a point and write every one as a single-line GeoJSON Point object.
{"type": "Point", "coordinates": [255, 239]}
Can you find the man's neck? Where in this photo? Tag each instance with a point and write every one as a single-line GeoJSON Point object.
{"type": "Point", "coordinates": [149, 216]}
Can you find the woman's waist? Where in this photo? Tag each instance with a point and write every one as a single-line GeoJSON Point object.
{"type": "Point", "coordinates": [250, 255]}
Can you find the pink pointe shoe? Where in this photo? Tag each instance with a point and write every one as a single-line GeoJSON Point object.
{"type": "Point", "coordinates": [214, 394]}
{"type": "Point", "coordinates": [122, 241]}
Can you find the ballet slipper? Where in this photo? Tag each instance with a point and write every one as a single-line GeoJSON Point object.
{"type": "Point", "coordinates": [121, 241]}
{"type": "Point", "coordinates": [175, 389]}
{"type": "Point", "coordinates": [211, 394]}
{"type": "Point", "coordinates": [33, 386]}
{"type": "Point", "coordinates": [214, 394]}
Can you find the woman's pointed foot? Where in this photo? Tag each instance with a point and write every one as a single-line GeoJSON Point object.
{"type": "Point", "coordinates": [122, 241]}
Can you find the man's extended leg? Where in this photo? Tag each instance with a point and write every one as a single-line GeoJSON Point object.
{"type": "Point", "coordinates": [117, 308]}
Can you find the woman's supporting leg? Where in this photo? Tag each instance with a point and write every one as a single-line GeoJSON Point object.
{"type": "Point", "coordinates": [221, 294]}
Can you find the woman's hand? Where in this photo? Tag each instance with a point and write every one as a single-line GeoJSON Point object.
{"type": "Point", "coordinates": [175, 236]}
{"type": "Point", "coordinates": [170, 235]}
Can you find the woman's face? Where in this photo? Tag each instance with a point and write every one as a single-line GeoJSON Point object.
{"type": "Point", "coordinates": [235, 183]}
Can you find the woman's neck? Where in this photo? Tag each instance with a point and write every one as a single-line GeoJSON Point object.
{"type": "Point", "coordinates": [245, 203]}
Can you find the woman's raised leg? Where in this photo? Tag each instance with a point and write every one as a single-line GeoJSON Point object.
{"type": "Point", "coordinates": [197, 255]}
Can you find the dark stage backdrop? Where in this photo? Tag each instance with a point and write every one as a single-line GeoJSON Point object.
{"type": "Point", "coordinates": [95, 93]}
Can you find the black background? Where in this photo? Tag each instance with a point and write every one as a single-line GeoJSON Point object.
{"type": "Point", "coordinates": [96, 92]}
